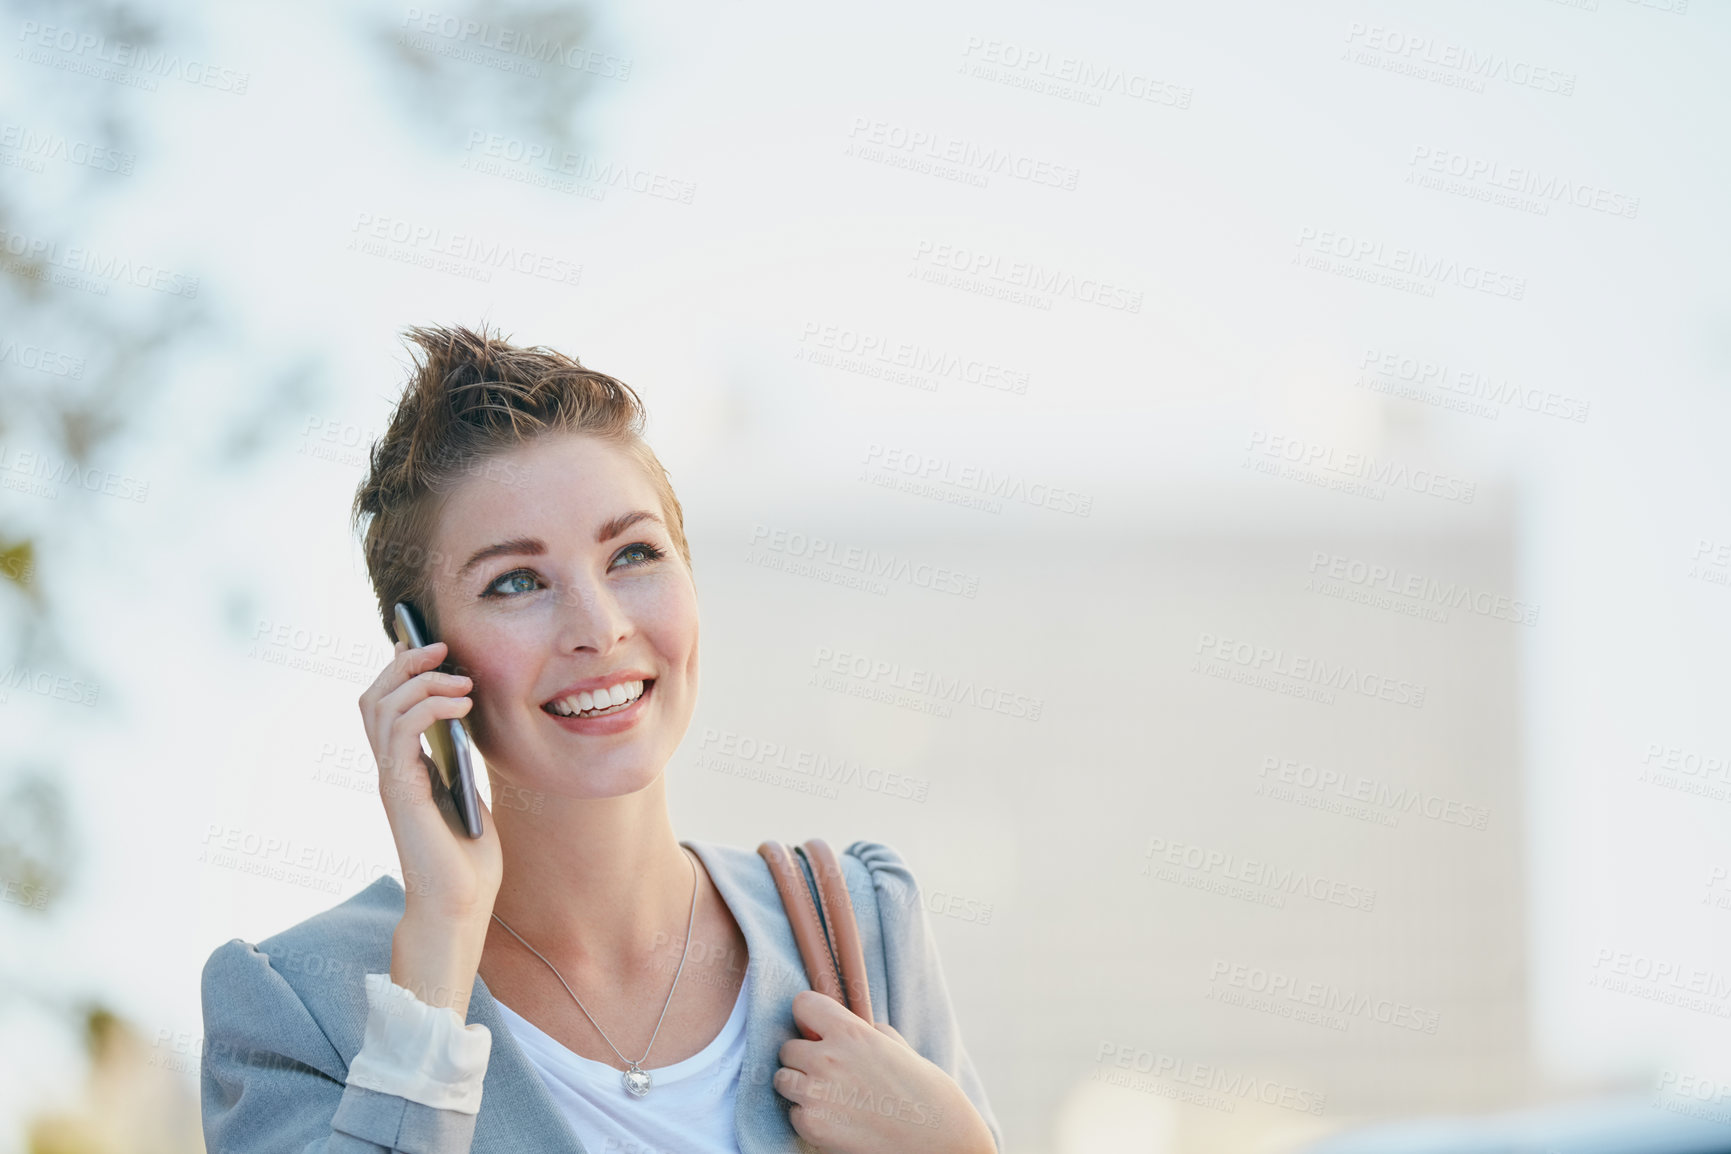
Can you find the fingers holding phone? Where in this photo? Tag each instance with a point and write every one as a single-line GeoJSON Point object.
{"type": "Point", "coordinates": [410, 696]}
{"type": "Point", "coordinates": [443, 869]}
{"type": "Point", "coordinates": [453, 754]}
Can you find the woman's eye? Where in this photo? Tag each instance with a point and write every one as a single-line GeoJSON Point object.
{"type": "Point", "coordinates": [642, 550]}
{"type": "Point", "coordinates": [525, 581]}
{"type": "Point", "coordinates": [516, 581]}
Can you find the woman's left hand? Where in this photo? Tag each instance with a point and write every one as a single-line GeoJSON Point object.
{"type": "Point", "coordinates": [858, 1087]}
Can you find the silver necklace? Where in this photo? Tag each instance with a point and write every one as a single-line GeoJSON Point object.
{"type": "Point", "coordinates": [635, 1077]}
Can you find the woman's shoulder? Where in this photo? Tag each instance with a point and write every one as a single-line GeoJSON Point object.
{"type": "Point", "coordinates": [872, 869]}
{"type": "Point", "coordinates": [908, 985]}
{"type": "Point", "coordinates": [297, 999]}
{"type": "Point", "coordinates": [917, 996]}
{"type": "Point", "coordinates": [328, 953]}
{"type": "Point", "coordinates": [880, 884]}
{"type": "Point", "coordinates": [886, 867]}
{"type": "Point", "coordinates": [888, 884]}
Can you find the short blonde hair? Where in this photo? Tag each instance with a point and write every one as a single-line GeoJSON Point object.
{"type": "Point", "coordinates": [470, 397]}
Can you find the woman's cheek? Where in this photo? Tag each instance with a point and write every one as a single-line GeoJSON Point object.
{"type": "Point", "coordinates": [476, 719]}
{"type": "Point", "coordinates": [670, 615]}
{"type": "Point", "coordinates": [490, 695]}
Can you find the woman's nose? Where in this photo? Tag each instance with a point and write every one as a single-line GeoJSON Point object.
{"type": "Point", "coordinates": [590, 617]}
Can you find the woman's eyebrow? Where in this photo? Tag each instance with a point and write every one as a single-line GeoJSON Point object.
{"type": "Point", "coordinates": [534, 546]}
{"type": "Point", "coordinates": [529, 546]}
{"type": "Point", "coordinates": [623, 522]}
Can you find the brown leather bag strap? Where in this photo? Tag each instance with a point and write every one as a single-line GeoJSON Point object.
{"type": "Point", "coordinates": [824, 928]}
{"type": "Point", "coordinates": [802, 915]}
{"type": "Point", "coordinates": [838, 916]}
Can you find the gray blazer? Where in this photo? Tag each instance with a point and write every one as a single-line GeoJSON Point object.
{"type": "Point", "coordinates": [283, 1020]}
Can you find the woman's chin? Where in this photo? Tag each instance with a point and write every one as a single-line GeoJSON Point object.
{"type": "Point", "coordinates": [590, 783]}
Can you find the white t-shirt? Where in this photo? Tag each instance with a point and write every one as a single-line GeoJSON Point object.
{"type": "Point", "coordinates": [689, 1107]}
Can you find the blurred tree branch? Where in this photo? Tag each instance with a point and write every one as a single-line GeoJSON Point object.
{"type": "Point", "coordinates": [111, 360]}
{"type": "Point", "coordinates": [520, 63]}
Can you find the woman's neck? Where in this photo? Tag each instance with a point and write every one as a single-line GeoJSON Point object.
{"type": "Point", "coordinates": [596, 883]}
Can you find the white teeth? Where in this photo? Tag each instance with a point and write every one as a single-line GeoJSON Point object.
{"type": "Point", "coordinates": [601, 701]}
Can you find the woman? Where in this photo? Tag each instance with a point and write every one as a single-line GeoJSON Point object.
{"type": "Point", "coordinates": [577, 978]}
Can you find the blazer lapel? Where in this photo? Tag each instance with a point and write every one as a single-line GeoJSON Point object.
{"type": "Point", "coordinates": [517, 1112]}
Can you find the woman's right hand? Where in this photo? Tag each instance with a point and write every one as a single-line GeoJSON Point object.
{"type": "Point", "coordinates": [449, 880]}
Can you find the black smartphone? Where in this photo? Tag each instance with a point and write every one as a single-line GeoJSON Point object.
{"type": "Point", "coordinates": [447, 740]}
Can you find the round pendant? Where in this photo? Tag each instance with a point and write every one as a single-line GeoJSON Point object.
{"type": "Point", "coordinates": [636, 1080]}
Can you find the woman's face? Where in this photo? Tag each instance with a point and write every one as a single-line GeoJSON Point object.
{"type": "Point", "coordinates": [553, 573]}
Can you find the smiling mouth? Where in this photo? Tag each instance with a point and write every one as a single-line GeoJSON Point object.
{"type": "Point", "coordinates": [601, 703]}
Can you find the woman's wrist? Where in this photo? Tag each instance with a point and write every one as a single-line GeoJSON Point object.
{"type": "Point", "coordinates": [436, 959]}
{"type": "Point", "coordinates": [420, 1053]}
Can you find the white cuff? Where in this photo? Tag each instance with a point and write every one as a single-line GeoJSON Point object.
{"type": "Point", "coordinates": [420, 1052]}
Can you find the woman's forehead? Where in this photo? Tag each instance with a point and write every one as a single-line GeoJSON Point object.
{"type": "Point", "coordinates": [572, 485]}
